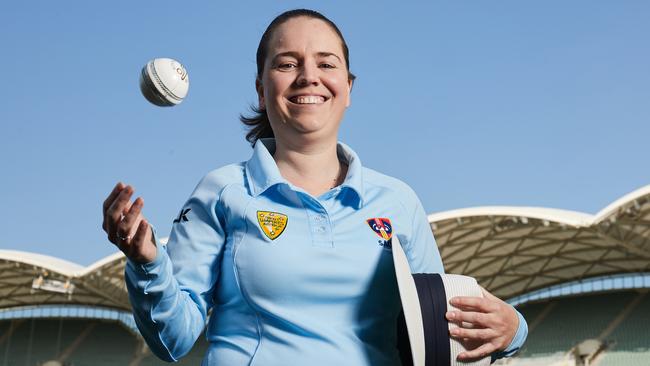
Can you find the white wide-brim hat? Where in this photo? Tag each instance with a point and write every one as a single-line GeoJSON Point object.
{"type": "Point", "coordinates": [425, 301]}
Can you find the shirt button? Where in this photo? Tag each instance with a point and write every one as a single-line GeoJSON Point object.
{"type": "Point", "coordinates": [320, 229]}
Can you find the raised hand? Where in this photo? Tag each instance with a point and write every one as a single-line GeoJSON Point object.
{"type": "Point", "coordinates": [125, 225]}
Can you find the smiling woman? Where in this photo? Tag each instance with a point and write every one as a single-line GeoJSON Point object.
{"type": "Point", "coordinates": [259, 122]}
{"type": "Point", "coordinates": [291, 250]}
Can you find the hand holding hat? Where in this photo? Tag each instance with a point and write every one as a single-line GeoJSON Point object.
{"type": "Point", "coordinates": [449, 319]}
{"type": "Point", "coordinates": [486, 320]}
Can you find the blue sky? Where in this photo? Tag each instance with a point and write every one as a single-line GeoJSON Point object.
{"type": "Point", "coordinates": [471, 103]}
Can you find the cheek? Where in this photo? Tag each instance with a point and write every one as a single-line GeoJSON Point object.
{"type": "Point", "coordinates": [338, 85]}
{"type": "Point", "coordinates": [274, 89]}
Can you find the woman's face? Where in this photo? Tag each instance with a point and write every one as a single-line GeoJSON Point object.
{"type": "Point", "coordinates": [304, 86]}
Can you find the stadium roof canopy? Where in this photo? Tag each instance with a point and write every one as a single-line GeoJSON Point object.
{"type": "Point", "coordinates": [510, 250]}
{"type": "Point", "coordinates": [514, 250]}
{"type": "Point", "coordinates": [33, 279]}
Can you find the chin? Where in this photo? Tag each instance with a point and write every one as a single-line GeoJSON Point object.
{"type": "Point", "coordinates": [312, 127]}
{"type": "Point", "coordinates": [306, 122]}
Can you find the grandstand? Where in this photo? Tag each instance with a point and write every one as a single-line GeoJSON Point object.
{"type": "Point", "coordinates": [74, 342]}
{"type": "Point", "coordinates": [53, 313]}
{"type": "Point", "coordinates": [618, 321]}
{"type": "Point", "coordinates": [581, 281]}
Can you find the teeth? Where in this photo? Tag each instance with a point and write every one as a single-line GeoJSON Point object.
{"type": "Point", "coordinates": [308, 99]}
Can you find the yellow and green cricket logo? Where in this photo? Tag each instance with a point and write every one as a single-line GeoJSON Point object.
{"type": "Point", "coordinates": [272, 223]}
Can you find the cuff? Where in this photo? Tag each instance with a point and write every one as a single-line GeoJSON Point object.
{"type": "Point", "coordinates": [517, 341]}
{"type": "Point", "coordinates": [154, 266]}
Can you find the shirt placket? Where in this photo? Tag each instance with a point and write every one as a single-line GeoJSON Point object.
{"type": "Point", "coordinates": [320, 225]}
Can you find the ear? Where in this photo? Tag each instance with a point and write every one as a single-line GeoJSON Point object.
{"type": "Point", "coordinates": [350, 84]}
{"type": "Point", "coordinates": [260, 94]}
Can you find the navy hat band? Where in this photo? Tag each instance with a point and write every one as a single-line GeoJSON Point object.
{"type": "Point", "coordinates": [433, 303]}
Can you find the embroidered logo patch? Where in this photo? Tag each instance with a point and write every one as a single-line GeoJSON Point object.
{"type": "Point", "coordinates": [381, 226]}
{"type": "Point", "coordinates": [272, 223]}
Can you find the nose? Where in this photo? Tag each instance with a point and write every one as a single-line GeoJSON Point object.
{"type": "Point", "coordinates": [308, 75]}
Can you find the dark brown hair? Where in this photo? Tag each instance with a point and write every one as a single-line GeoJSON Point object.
{"type": "Point", "coordinates": [258, 123]}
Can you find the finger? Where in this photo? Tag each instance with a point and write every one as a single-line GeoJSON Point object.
{"type": "Point", "coordinates": [121, 217]}
{"type": "Point", "coordinates": [109, 200]}
{"type": "Point", "coordinates": [475, 318]}
{"type": "Point", "coordinates": [111, 196]}
{"type": "Point", "coordinates": [471, 303]}
{"type": "Point", "coordinates": [126, 208]}
{"type": "Point", "coordinates": [125, 211]}
{"type": "Point", "coordinates": [141, 233]}
{"type": "Point", "coordinates": [139, 241]}
{"type": "Point", "coordinates": [114, 213]}
{"type": "Point", "coordinates": [121, 201]}
{"type": "Point", "coordinates": [484, 350]}
{"type": "Point", "coordinates": [480, 334]}
{"type": "Point", "coordinates": [136, 224]}
{"type": "Point", "coordinates": [127, 225]}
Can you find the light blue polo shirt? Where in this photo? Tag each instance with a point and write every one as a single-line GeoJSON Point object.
{"type": "Point", "coordinates": [291, 279]}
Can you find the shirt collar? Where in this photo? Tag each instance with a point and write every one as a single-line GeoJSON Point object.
{"type": "Point", "coordinates": [354, 178]}
{"type": "Point", "coordinates": [262, 171]}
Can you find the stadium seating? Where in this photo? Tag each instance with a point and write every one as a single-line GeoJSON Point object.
{"type": "Point", "coordinates": [93, 350]}
{"type": "Point", "coordinates": [557, 325]}
{"type": "Point", "coordinates": [572, 320]}
{"type": "Point", "coordinates": [36, 341]}
{"type": "Point", "coordinates": [81, 342]}
{"type": "Point", "coordinates": [630, 341]}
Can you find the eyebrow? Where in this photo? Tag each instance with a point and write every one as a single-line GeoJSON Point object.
{"type": "Point", "coordinates": [297, 55]}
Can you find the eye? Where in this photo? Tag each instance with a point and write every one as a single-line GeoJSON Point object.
{"type": "Point", "coordinates": [286, 66]}
{"type": "Point", "coordinates": [326, 65]}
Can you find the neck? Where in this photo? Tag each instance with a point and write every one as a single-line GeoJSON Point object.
{"type": "Point", "coordinates": [313, 167]}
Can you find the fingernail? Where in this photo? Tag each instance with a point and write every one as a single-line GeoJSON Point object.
{"type": "Point", "coordinates": [450, 315]}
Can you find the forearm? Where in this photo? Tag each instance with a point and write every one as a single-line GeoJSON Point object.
{"type": "Point", "coordinates": [168, 318]}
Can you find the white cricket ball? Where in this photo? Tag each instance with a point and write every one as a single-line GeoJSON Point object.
{"type": "Point", "coordinates": [164, 82]}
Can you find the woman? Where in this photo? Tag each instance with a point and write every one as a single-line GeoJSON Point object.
{"type": "Point", "coordinates": [290, 249]}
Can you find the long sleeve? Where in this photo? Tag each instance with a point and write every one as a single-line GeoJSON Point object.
{"type": "Point", "coordinates": [172, 295]}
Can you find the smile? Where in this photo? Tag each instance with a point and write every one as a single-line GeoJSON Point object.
{"type": "Point", "coordinates": [307, 99]}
